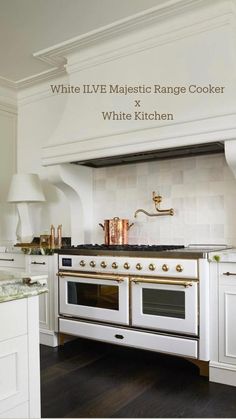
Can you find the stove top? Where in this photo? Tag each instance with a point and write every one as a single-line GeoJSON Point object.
{"type": "Point", "coordinates": [129, 247]}
{"type": "Point", "coordinates": [143, 250]}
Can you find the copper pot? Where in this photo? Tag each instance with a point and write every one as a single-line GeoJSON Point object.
{"type": "Point", "coordinates": [116, 231]}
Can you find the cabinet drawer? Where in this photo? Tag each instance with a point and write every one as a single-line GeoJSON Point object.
{"type": "Point", "coordinates": [38, 264]}
{"type": "Point", "coordinates": [13, 315]}
{"type": "Point", "coordinates": [12, 260]}
{"type": "Point", "coordinates": [227, 273]}
{"type": "Point", "coordinates": [133, 338]}
{"type": "Point", "coordinates": [14, 369]}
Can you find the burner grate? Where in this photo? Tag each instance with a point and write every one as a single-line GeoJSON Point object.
{"type": "Point", "coordinates": [129, 247]}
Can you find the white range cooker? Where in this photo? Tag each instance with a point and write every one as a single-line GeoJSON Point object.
{"type": "Point", "coordinates": [149, 297]}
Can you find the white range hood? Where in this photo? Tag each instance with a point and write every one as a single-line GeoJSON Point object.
{"type": "Point", "coordinates": [179, 43]}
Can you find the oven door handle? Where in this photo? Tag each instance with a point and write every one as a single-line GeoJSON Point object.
{"type": "Point", "coordinates": [108, 277]}
{"type": "Point", "coordinates": [183, 283]}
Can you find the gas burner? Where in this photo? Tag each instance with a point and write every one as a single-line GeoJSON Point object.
{"type": "Point", "coordinates": [129, 247]}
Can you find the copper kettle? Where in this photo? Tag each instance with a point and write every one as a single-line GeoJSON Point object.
{"type": "Point", "coordinates": [116, 231]}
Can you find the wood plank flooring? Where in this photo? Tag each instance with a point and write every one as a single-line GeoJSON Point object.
{"type": "Point", "coordinates": [93, 379]}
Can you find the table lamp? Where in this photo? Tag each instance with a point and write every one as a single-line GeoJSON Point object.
{"type": "Point", "coordinates": [25, 189]}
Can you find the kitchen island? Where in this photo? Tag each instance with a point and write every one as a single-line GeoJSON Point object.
{"type": "Point", "coordinates": [19, 345]}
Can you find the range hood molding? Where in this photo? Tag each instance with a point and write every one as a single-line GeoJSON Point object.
{"type": "Point", "coordinates": [163, 154]}
{"type": "Point", "coordinates": [76, 183]}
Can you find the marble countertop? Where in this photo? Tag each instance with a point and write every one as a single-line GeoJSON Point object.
{"type": "Point", "coordinates": [227, 255]}
{"type": "Point", "coordinates": [14, 285]}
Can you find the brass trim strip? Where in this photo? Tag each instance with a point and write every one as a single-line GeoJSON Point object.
{"type": "Point", "coordinates": [162, 281]}
{"type": "Point", "coordinates": [116, 278]}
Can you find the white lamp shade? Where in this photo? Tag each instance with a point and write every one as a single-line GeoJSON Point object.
{"type": "Point", "coordinates": [25, 188]}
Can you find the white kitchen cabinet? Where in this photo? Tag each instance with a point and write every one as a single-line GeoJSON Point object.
{"type": "Point", "coordinates": [227, 313]}
{"type": "Point", "coordinates": [223, 331]}
{"type": "Point", "coordinates": [13, 261]}
{"type": "Point", "coordinates": [19, 359]}
{"type": "Point", "coordinates": [39, 265]}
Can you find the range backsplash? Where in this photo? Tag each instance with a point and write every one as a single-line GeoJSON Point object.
{"type": "Point", "coordinates": [202, 191]}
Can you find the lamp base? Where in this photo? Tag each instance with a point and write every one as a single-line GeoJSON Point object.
{"type": "Point", "coordinates": [24, 232]}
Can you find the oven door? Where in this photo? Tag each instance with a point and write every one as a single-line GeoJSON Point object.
{"type": "Point", "coordinates": [165, 304]}
{"type": "Point", "coordinates": [99, 297]}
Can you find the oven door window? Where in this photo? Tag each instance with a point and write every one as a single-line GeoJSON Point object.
{"type": "Point", "coordinates": [93, 295]}
{"type": "Point", "coordinates": [167, 307]}
{"type": "Point", "coordinates": [164, 303]}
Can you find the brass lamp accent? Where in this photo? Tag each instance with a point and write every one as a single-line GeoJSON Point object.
{"type": "Point", "coordinates": [157, 200]}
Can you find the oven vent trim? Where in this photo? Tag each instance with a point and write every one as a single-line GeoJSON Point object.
{"type": "Point", "coordinates": [161, 154]}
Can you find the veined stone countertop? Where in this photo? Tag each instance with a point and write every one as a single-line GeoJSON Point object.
{"type": "Point", "coordinates": [227, 255]}
{"type": "Point", "coordinates": [13, 285]}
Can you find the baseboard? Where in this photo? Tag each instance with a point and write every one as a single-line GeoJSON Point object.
{"type": "Point", "coordinates": [222, 373]}
{"type": "Point", "coordinates": [48, 338]}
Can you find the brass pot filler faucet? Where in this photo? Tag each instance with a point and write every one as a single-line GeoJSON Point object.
{"type": "Point", "coordinates": [157, 200]}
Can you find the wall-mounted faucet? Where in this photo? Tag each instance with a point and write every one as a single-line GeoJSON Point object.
{"type": "Point", "coordinates": [157, 200]}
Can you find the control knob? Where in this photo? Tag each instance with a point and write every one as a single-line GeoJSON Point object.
{"type": "Point", "coordinates": [82, 263]}
{"type": "Point", "coordinates": [103, 264]}
{"type": "Point", "coordinates": [139, 266]}
{"type": "Point", "coordinates": [165, 267]}
{"type": "Point", "coordinates": [152, 267]}
{"type": "Point", "coordinates": [126, 265]}
{"type": "Point", "coordinates": [114, 265]}
{"type": "Point", "coordinates": [179, 268]}
{"type": "Point", "coordinates": [92, 264]}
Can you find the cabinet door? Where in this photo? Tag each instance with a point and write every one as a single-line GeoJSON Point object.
{"type": "Point", "coordinates": [44, 305]}
{"type": "Point", "coordinates": [39, 265]}
{"type": "Point", "coordinates": [227, 314]}
{"type": "Point", "coordinates": [14, 369]}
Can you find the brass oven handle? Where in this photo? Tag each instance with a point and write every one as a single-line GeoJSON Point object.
{"type": "Point", "coordinates": [116, 278]}
{"type": "Point", "coordinates": [162, 281]}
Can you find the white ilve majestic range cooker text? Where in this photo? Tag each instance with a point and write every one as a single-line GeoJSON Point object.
{"type": "Point", "coordinates": [142, 89]}
{"type": "Point", "coordinates": [124, 89]}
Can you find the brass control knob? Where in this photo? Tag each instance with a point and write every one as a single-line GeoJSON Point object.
{"type": "Point", "coordinates": [92, 264]}
{"type": "Point", "coordinates": [114, 265]}
{"type": "Point", "coordinates": [139, 266]}
{"type": "Point", "coordinates": [179, 268]}
{"type": "Point", "coordinates": [152, 267]}
{"type": "Point", "coordinates": [165, 267]}
{"type": "Point", "coordinates": [82, 263]}
{"type": "Point", "coordinates": [103, 264]}
{"type": "Point", "coordinates": [126, 265]}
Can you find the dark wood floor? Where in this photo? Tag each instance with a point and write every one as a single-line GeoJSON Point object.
{"type": "Point", "coordinates": [92, 379]}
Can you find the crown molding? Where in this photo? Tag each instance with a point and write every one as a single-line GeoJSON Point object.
{"type": "Point", "coordinates": [9, 84]}
{"type": "Point", "coordinates": [83, 61]}
{"type": "Point", "coordinates": [57, 55]}
{"type": "Point", "coordinates": [40, 77]}
{"type": "Point", "coordinates": [8, 106]}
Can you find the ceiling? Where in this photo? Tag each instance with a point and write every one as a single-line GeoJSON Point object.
{"type": "Point", "coordinates": [27, 26]}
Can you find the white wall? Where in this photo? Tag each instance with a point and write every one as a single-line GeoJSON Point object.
{"type": "Point", "coordinates": [8, 127]}
{"type": "Point", "coordinates": [38, 117]}
{"type": "Point", "coordinates": [202, 191]}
